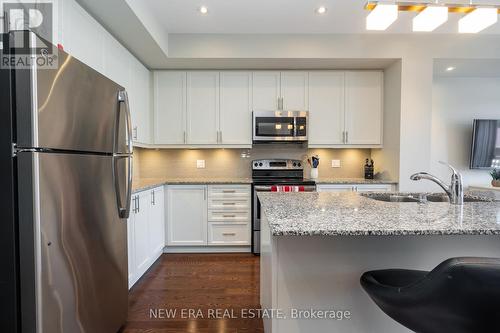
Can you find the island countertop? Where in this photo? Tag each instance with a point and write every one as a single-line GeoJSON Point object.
{"type": "Point", "coordinates": [351, 214]}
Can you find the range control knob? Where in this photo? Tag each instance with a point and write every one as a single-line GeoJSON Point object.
{"type": "Point", "coordinates": [294, 164]}
{"type": "Point", "coordinates": [255, 164]}
{"type": "Point", "coordinates": [260, 164]}
{"type": "Point", "coordinates": [299, 164]}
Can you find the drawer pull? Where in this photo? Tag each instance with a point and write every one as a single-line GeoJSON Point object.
{"type": "Point", "coordinates": [228, 215]}
{"type": "Point", "coordinates": [228, 234]}
{"type": "Point", "coordinates": [229, 203]}
{"type": "Point", "coordinates": [228, 191]}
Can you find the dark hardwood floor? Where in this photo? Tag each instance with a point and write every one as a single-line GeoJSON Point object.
{"type": "Point", "coordinates": [216, 288]}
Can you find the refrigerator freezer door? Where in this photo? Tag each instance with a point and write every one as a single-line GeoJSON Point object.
{"type": "Point", "coordinates": [72, 107]}
{"type": "Point", "coordinates": [81, 249]}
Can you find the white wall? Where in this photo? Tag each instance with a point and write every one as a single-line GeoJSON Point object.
{"type": "Point", "coordinates": [455, 103]}
{"type": "Point", "coordinates": [387, 159]}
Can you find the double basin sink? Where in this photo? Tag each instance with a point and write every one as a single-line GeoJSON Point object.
{"type": "Point", "coordinates": [419, 197]}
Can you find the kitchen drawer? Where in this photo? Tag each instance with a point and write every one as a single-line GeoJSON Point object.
{"type": "Point", "coordinates": [228, 234]}
{"type": "Point", "coordinates": [231, 216]}
{"type": "Point", "coordinates": [229, 191]}
{"type": "Point", "coordinates": [229, 203]}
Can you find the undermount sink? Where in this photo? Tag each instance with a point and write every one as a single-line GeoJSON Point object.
{"type": "Point", "coordinates": [418, 197]}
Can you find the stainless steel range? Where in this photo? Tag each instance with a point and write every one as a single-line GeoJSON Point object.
{"type": "Point", "coordinates": [273, 175]}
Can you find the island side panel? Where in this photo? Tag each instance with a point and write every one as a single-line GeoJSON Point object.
{"type": "Point", "coordinates": [268, 277]}
{"type": "Point", "coordinates": [322, 272]}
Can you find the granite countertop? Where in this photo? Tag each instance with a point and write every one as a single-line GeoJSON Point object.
{"type": "Point", "coordinates": [351, 214]}
{"type": "Point", "coordinates": [143, 184]}
{"type": "Point", "coordinates": [321, 180]}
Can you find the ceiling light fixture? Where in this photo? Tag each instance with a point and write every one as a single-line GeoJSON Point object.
{"type": "Point", "coordinates": [431, 15]}
{"type": "Point", "coordinates": [381, 17]}
{"type": "Point", "coordinates": [321, 10]}
{"type": "Point", "coordinates": [430, 18]}
{"type": "Point", "coordinates": [203, 10]}
{"type": "Point", "coordinates": [449, 69]}
{"type": "Point", "coordinates": [477, 20]}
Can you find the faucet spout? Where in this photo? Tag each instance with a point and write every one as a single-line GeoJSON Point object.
{"type": "Point", "coordinates": [454, 191]}
{"type": "Point", "coordinates": [428, 176]}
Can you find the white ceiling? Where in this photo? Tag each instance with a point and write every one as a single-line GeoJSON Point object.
{"type": "Point", "coordinates": [278, 16]}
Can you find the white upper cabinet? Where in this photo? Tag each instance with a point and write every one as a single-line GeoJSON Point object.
{"type": "Point", "coordinates": [266, 90]}
{"type": "Point", "coordinates": [364, 107]}
{"type": "Point", "coordinates": [186, 215]}
{"type": "Point", "coordinates": [81, 36]}
{"type": "Point", "coordinates": [202, 107]}
{"type": "Point", "coordinates": [235, 108]}
{"type": "Point", "coordinates": [169, 107]}
{"type": "Point", "coordinates": [326, 108]}
{"type": "Point", "coordinates": [294, 90]}
{"type": "Point", "coordinates": [117, 62]}
{"type": "Point", "coordinates": [140, 106]}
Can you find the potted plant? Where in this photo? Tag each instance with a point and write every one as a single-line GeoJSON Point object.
{"type": "Point", "coordinates": [495, 174]}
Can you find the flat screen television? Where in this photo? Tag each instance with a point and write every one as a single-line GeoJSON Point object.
{"type": "Point", "coordinates": [485, 152]}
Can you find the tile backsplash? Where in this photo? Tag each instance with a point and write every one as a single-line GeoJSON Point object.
{"type": "Point", "coordinates": [173, 163]}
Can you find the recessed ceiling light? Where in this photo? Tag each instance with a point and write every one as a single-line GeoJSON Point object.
{"type": "Point", "coordinates": [449, 69]}
{"type": "Point", "coordinates": [203, 10]}
{"type": "Point", "coordinates": [321, 10]}
{"type": "Point", "coordinates": [381, 17]}
{"type": "Point", "coordinates": [477, 20]}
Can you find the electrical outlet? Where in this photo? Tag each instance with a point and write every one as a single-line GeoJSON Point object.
{"type": "Point", "coordinates": [335, 163]}
{"type": "Point", "coordinates": [200, 164]}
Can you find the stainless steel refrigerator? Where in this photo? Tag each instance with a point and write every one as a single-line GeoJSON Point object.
{"type": "Point", "coordinates": [66, 168]}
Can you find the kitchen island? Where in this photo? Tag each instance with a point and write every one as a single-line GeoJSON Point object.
{"type": "Point", "coordinates": [315, 247]}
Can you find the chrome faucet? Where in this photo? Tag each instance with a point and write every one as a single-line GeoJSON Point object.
{"type": "Point", "coordinates": [455, 191]}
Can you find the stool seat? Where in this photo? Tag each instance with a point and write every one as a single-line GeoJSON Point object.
{"type": "Point", "coordinates": [459, 295]}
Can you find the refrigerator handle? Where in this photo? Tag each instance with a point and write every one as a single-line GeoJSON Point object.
{"type": "Point", "coordinates": [123, 98]}
{"type": "Point", "coordinates": [123, 212]}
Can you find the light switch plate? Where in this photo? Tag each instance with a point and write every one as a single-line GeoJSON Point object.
{"type": "Point", "coordinates": [200, 164]}
{"type": "Point", "coordinates": [335, 163]}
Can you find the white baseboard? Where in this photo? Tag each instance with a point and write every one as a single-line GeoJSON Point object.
{"type": "Point", "coordinates": [207, 249]}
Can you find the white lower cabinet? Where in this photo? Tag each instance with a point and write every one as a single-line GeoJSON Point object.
{"type": "Point", "coordinates": [208, 215]}
{"type": "Point", "coordinates": [355, 188]}
{"type": "Point", "coordinates": [186, 215]}
{"type": "Point", "coordinates": [145, 232]}
{"type": "Point", "coordinates": [223, 233]}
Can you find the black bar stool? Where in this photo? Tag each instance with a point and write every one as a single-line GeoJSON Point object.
{"type": "Point", "coordinates": [460, 295]}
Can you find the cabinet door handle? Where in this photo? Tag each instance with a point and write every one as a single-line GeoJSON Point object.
{"type": "Point", "coordinates": [346, 137]}
{"type": "Point", "coordinates": [228, 234]}
{"type": "Point", "coordinates": [135, 133]}
{"type": "Point", "coordinates": [153, 197]}
{"type": "Point", "coordinates": [205, 194]}
{"type": "Point", "coordinates": [220, 136]}
{"type": "Point", "coordinates": [138, 205]}
{"type": "Point", "coordinates": [185, 137]}
{"type": "Point", "coordinates": [228, 191]}
{"type": "Point", "coordinates": [228, 215]}
{"type": "Point", "coordinates": [229, 203]}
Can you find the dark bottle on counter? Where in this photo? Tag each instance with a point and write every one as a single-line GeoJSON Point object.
{"type": "Point", "coordinates": [369, 169]}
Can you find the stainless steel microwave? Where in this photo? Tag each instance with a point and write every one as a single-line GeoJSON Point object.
{"type": "Point", "coordinates": [275, 126]}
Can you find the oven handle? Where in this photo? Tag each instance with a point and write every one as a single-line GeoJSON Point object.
{"type": "Point", "coordinates": [307, 188]}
